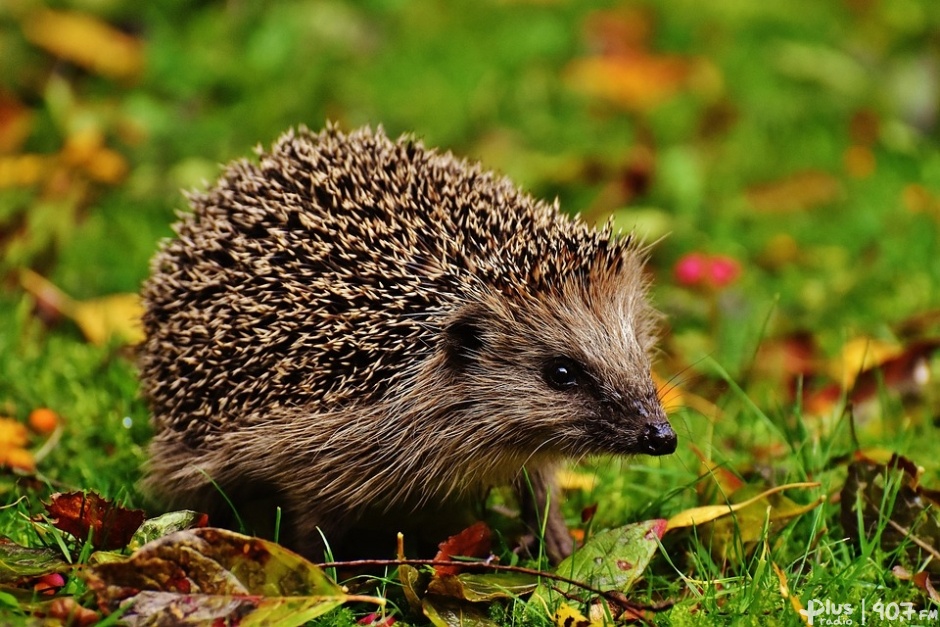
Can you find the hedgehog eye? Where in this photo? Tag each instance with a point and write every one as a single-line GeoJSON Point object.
{"type": "Point", "coordinates": [562, 373]}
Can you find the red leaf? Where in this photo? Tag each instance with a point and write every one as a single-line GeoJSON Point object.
{"type": "Point", "coordinates": [111, 526]}
{"type": "Point", "coordinates": [474, 541]}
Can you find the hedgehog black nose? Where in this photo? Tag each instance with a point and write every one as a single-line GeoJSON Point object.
{"type": "Point", "coordinates": [658, 438]}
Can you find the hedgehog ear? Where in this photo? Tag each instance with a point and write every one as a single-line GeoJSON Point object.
{"type": "Point", "coordinates": [463, 339]}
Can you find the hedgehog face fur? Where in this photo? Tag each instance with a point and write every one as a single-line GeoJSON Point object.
{"type": "Point", "coordinates": [356, 325]}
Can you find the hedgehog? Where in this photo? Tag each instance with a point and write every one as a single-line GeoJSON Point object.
{"type": "Point", "coordinates": [370, 334]}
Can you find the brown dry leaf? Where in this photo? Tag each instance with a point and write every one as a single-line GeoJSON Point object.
{"type": "Point", "coordinates": [922, 581]}
{"type": "Point", "coordinates": [474, 541]}
{"type": "Point", "coordinates": [865, 368]}
{"type": "Point", "coordinates": [789, 359]}
{"type": "Point", "coordinates": [892, 506]}
{"type": "Point", "coordinates": [619, 31]}
{"type": "Point", "coordinates": [78, 513]}
{"type": "Point", "coordinates": [69, 612]}
{"type": "Point", "coordinates": [86, 41]}
{"type": "Point", "coordinates": [903, 373]}
{"type": "Point", "coordinates": [16, 123]}
{"type": "Point", "coordinates": [797, 192]}
{"type": "Point", "coordinates": [635, 81]}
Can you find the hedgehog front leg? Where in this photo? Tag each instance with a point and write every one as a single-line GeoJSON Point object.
{"type": "Point", "coordinates": [538, 499]}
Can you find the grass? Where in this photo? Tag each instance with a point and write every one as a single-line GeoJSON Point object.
{"type": "Point", "coordinates": [800, 140]}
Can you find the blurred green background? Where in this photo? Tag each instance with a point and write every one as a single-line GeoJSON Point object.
{"type": "Point", "coordinates": [796, 141]}
{"type": "Point", "coordinates": [792, 144]}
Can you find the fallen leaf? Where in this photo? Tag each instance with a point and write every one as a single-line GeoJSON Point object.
{"type": "Point", "coordinates": [19, 563]}
{"type": "Point", "coordinates": [476, 587]}
{"type": "Point", "coordinates": [635, 81]}
{"type": "Point", "coordinates": [858, 355]}
{"type": "Point", "coordinates": [165, 524]}
{"type": "Point", "coordinates": [86, 41]}
{"type": "Point", "coordinates": [214, 576]}
{"type": "Point", "coordinates": [101, 320]}
{"type": "Point", "coordinates": [567, 616]}
{"type": "Point", "coordinates": [444, 612]}
{"type": "Point", "coordinates": [746, 525]}
{"type": "Point", "coordinates": [906, 372]}
{"type": "Point", "coordinates": [82, 513]}
{"type": "Point", "coordinates": [413, 583]}
{"type": "Point", "coordinates": [13, 433]}
{"type": "Point", "coordinates": [108, 317]}
{"type": "Point", "coordinates": [798, 192]}
{"type": "Point", "coordinates": [886, 501]}
{"type": "Point", "coordinates": [474, 541]}
{"type": "Point", "coordinates": [24, 170]}
{"type": "Point", "coordinates": [708, 513]}
{"type": "Point", "coordinates": [69, 612]}
{"type": "Point", "coordinates": [570, 480]}
{"type": "Point", "coordinates": [922, 580]}
{"type": "Point", "coordinates": [85, 149]}
{"type": "Point", "coordinates": [16, 123]}
{"type": "Point", "coordinates": [612, 560]}
{"type": "Point", "coordinates": [13, 439]}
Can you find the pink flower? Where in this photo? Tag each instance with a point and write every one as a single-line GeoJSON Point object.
{"type": "Point", "coordinates": [691, 269]}
{"type": "Point", "coordinates": [709, 271]}
{"type": "Point", "coordinates": [724, 270]}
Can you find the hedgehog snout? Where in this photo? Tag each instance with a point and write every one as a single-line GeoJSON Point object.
{"type": "Point", "coordinates": [658, 438]}
{"type": "Point", "coordinates": [656, 435]}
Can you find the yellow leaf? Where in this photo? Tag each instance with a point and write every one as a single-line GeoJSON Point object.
{"type": "Point", "coordinates": [13, 433]}
{"type": "Point", "coordinates": [13, 437]}
{"type": "Point", "coordinates": [567, 616]}
{"type": "Point", "coordinates": [18, 458]}
{"type": "Point", "coordinates": [708, 513]}
{"type": "Point", "coordinates": [85, 41]}
{"type": "Point", "coordinates": [24, 170]}
{"type": "Point", "coordinates": [859, 355]}
{"type": "Point", "coordinates": [107, 166]}
{"type": "Point", "coordinates": [669, 393]}
{"type": "Point", "coordinates": [116, 316]}
{"type": "Point", "coordinates": [570, 480]}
